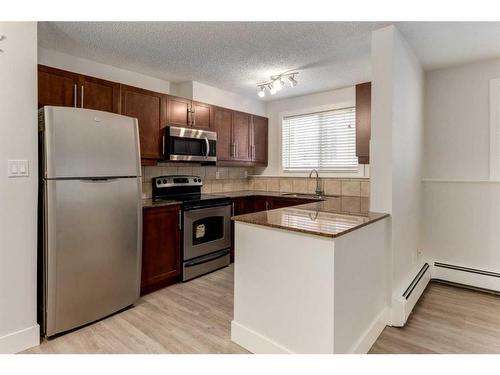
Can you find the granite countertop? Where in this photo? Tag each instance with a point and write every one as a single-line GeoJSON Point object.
{"type": "Point", "coordinates": [325, 218]}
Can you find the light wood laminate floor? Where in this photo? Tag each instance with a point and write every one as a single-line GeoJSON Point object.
{"type": "Point", "coordinates": [447, 319]}
{"type": "Point", "coordinates": [195, 317]}
{"type": "Point", "coordinates": [192, 317]}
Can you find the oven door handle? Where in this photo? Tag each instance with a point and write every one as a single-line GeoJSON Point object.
{"type": "Point", "coordinates": [206, 259]}
{"type": "Point", "coordinates": [207, 143]}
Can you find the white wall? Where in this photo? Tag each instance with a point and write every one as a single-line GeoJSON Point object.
{"type": "Point", "coordinates": [461, 214]}
{"type": "Point", "coordinates": [213, 95]}
{"type": "Point", "coordinates": [457, 121]}
{"type": "Point", "coordinates": [276, 110]}
{"type": "Point", "coordinates": [396, 146]}
{"type": "Point", "coordinates": [18, 196]}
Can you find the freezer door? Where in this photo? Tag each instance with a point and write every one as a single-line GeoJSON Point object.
{"type": "Point", "coordinates": [86, 143]}
{"type": "Point", "coordinates": [93, 239]}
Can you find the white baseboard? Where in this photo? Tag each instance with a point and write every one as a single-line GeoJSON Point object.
{"type": "Point", "coordinates": [467, 276]}
{"type": "Point", "coordinates": [366, 341]}
{"type": "Point", "coordinates": [16, 342]}
{"type": "Point", "coordinates": [406, 297]}
{"type": "Point", "coordinates": [255, 342]}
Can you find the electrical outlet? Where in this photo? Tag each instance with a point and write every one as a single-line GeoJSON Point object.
{"type": "Point", "coordinates": [217, 175]}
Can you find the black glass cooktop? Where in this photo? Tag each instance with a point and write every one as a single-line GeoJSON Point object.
{"type": "Point", "coordinates": [191, 201]}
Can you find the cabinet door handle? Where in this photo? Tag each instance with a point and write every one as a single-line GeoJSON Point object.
{"type": "Point", "coordinates": [74, 95]}
{"type": "Point", "coordinates": [193, 117]}
{"type": "Point", "coordinates": [232, 209]}
{"type": "Point", "coordinates": [82, 97]}
{"type": "Point", "coordinates": [236, 150]}
{"type": "Point", "coordinates": [180, 220]}
{"type": "Point", "coordinates": [163, 144]}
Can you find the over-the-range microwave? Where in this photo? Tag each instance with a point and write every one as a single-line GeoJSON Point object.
{"type": "Point", "coordinates": [185, 144]}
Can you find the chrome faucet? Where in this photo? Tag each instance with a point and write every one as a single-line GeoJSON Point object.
{"type": "Point", "coordinates": [318, 188]}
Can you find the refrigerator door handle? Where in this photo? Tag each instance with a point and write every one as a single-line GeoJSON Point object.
{"type": "Point", "coordinates": [98, 179]}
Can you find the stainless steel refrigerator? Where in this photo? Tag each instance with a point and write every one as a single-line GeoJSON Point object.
{"type": "Point", "coordinates": [90, 216]}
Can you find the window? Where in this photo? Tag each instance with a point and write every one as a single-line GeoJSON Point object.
{"type": "Point", "coordinates": [325, 141]}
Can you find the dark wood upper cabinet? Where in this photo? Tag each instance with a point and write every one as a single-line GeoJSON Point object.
{"type": "Point", "coordinates": [241, 136]}
{"type": "Point", "coordinates": [201, 116]}
{"type": "Point", "coordinates": [57, 87]}
{"type": "Point", "coordinates": [363, 121]}
{"type": "Point", "coordinates": [149, 108]}
{"type": "Point", "coordinates": [161, 249]}
{"type": "Point", "coordinates": [222, 125]}
{"type": "Point", "coordinates": [99, 94]}
{"type": "Point", "coordinates": [258, 148]}
{"type": "Point", "coordinates": [179, 111]}
{"type": "Point", "coordinates": [62, 88]}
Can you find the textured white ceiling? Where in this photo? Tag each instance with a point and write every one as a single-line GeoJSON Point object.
{"type": "Point", "coordinates": [236, 55]}
{"type": "Point", "coordinates": [230, 55]}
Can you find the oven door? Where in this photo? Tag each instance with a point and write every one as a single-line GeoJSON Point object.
{"type": "Point", "coordinates": [206, 230]}
{"type": "Point", "coordinates": [183, 144]}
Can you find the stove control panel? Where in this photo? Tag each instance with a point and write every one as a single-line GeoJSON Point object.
{"type": "Point", "coordinates": [176, 181]}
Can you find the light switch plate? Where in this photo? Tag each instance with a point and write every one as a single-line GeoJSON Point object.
{"type": "Point", "coordinates": [18, 168]}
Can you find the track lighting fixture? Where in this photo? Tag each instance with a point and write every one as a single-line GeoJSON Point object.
{"type": "Point", "coordinates": [293, 81]}
{"type": "Point", "coordinates": [273, 90]}
{"type": "Point", "coordinates": [276, 83]}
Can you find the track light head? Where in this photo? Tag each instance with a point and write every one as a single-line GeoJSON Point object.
{"type": "Point", "coordinates": [272, 89]}
{"type": "Point", "coordinates": [277, 82]}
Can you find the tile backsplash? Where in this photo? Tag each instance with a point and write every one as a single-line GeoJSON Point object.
{"type": "Point", "coordinates": [226, 179]}
{"type": "Point", "coordinates": [346, 187]}
{"type": "Point", "coordinates": [215, 179]}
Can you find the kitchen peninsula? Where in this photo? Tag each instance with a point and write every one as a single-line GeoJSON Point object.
{"type": "Point", "coordinates": [310, 279]}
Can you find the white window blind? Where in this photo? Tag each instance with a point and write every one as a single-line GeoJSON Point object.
{"type": "Point", "coordinates": [325, 141]}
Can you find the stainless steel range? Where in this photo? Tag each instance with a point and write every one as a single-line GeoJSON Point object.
{"type": "Point", "coordinates": [206, 224]}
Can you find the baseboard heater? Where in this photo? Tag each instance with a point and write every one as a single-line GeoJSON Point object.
{"type": "Point", "coordinates": [407, 293]}
{"type": "Point", "coordinates": [487, 281]}
{"type": "Point", "coordinates": [402, 304]}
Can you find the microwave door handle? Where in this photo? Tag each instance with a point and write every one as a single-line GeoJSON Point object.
{"type": "Point", "coordinates": [207, 143]}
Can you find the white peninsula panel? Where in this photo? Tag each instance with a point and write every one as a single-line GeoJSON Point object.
{"type": "Point", "coordinates": [303, 293]}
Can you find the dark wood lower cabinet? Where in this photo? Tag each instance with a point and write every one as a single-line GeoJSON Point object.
{"type": "Point", "coordinates": [261, 203]}
{"type": "Point", "coordinates": [161, 248]}
{"type": "Point", "coordinates": [280, 202]}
